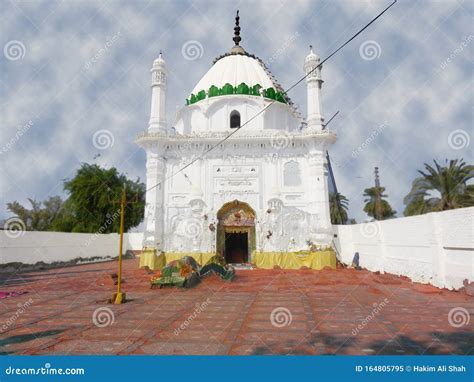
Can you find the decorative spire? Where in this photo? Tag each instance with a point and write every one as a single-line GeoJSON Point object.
{"type": "Point", "coordinates": [377, 178]}
{"type": "Point", "coordinates": [237, 38]}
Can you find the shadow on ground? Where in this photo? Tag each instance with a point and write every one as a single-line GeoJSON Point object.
{"type": "Point", "coordinates": [461, 343]}
{"type": "Point", "coordinates": [25, 338]}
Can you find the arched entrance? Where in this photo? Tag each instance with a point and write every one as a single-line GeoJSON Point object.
{"type": "Point", "coordinates": [235, 238]}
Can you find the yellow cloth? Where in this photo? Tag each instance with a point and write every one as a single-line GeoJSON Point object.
{"type": "Point", "coordinates": [150, 259]}
{"type": "Point", "coordinates": [296, 260]}
{"type": "Point", "coordinates": [154, 262]}
{"type": "Point", "coordinates": [265, 260]}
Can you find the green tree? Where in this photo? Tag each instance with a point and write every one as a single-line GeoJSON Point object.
{"type": "Point", "coordinates": [375, 204]}
{"type": "Point", "coordinates": [41, 216]}
{"type": "Point", "coordinates": [441, 188]}
{"type": "Point", "coordinates": [94, 194]}
{"type": "Point", "coordinates": [92, 206]}
{"type": "Point", "coordinates": [338, 205]}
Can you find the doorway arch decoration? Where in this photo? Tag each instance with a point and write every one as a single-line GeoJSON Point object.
{"type": "Point", "coordinates": [236, 220]}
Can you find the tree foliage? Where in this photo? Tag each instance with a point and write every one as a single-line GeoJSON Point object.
{"type": "Point", "coordinates": [92, 206]}
{"type": "Point", "coordinates": [441, 188]}
{"type": "Point", "coordinates": [41, 216]}
{"type": "Point", "coordinates": [375, 204]}
{"type": "Point", "coordinates": [94, 195]}
{"type": "Point", "coordinates": [338, 206]}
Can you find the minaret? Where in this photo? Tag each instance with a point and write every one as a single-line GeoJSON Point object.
{"type": "Point", "coordinates": [157, 122]}
{"type": "Point", "coordinates": [314, 82]}
{"type": "Point", "coordinates": [378, 196]}
{"type": "Point", "coordinates": [155, 169]}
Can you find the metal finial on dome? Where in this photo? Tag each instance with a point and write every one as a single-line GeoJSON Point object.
{"type": "Point", "coordinates": [237, 49]}
{"type": "Point", "coordinates": [237, 38]}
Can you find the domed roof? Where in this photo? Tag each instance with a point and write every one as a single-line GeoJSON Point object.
{"type": "Point", "coordinates": [235, 69]}
{"type": "Point", "coordinates": [240, 73]}
{"type": "Point", "coordinates": [159, 62]}
{"type": "Point", "coordinates": [311, 56]}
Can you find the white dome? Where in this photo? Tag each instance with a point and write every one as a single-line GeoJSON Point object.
{"type": "Point", "coordinates": [159, 62]}
{"type": "Point", "coordinates": [235, 69]}
{"type": "Point", "coordinates": [311, 56]}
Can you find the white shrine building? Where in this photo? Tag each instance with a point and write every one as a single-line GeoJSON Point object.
{"type": "Point", "coordinates": [263, 190]}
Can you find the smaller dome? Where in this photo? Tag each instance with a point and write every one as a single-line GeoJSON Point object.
{"type": "Point", "coordinates": [311, 56]}
{"type": "Point", "coordinates": [159, 62]}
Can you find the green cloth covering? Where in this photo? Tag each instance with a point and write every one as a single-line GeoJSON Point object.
{"type": "Point", "coordinates": [186, 272]}
{"type": "Point", "coordinates": [216, 259]}
{"type": "Point", "coordinates": [177, 272]}
{"type": "Point", "coordinates": [217, 265]}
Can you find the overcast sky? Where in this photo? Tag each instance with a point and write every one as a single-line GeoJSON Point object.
{"type": "Point", "coordinates": [71, 69]}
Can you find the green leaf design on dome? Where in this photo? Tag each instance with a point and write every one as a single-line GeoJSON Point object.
{"type": "Point", "coordinates": [255, 90]}
{"type": "Point", "coordinates": [270, 93]}
{"type": "Point", "coordinates": [227, 89]}
{"type": "Point", "coordinates": [242, 89]}
{"type": "Point", "coordinates": [200, 96]}
{"type": "Point", "coordinates": [213, 91]}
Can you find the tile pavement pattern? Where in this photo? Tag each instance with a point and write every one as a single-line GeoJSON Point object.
{"type": "Point", "coordinates": [261, 312]}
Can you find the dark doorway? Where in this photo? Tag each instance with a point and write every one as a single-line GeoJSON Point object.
{"type": "Point", "coordinates": [236, 247]}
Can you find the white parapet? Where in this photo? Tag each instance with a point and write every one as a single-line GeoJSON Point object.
{"type": "Point", "coordinates": [435, 248]}
{"type": "Point", "coordinates": [31, 247]}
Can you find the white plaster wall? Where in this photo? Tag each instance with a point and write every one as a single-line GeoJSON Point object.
{"type": "Point", "coordinates": [212, 115]}
{"type": "Point", "coordinates": [435, 248]}
{"type": "Point", "coordinates": [31, 247]}
{"type": "Point", "coordinates": [251, 173]}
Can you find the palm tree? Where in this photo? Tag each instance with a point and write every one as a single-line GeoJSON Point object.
{"type": "Point", "coordinates": [441, 188]}
{"type": "Point", "coordinates": [375, 205]}
{"type": "Point", "coordinates": [338, 206]}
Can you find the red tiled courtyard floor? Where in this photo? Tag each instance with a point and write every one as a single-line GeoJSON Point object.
{"type": "Point", "coordinates": [314, 312]}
